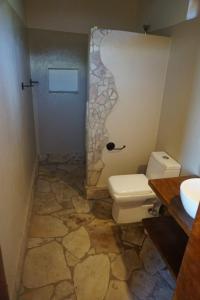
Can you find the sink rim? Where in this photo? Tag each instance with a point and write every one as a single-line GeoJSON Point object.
{"type": "Point", "coordinates": [190, 196]}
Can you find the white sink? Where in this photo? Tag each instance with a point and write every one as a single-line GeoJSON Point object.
{"type": "Point", "coordinates": [190, 195]}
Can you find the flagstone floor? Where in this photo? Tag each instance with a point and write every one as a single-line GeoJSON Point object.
{"type": "Point", "coordinates": [76, 251]}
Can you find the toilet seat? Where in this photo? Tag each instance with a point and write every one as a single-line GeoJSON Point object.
{"type": "Point", "coordinates": [131, 187]}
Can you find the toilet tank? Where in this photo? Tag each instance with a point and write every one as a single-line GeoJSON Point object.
{"type": "Point", "coordinates": [161, 165]}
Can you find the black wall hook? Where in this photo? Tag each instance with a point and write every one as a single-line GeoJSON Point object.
{"type": "Point", "coordinates": [31, 84]}
{"type": "Point", "coordinates": [26, 86]}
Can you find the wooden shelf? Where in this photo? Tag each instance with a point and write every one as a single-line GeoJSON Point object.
{"type": "Point", "coordinates": [177, 210]}
{"type": "Point", "coordinates": [169, 239]}
{"type": "Point", "coordinates": [168, 191]}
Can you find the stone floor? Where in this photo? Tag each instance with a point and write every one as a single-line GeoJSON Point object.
{"type": "Point", "coordinates": [76, 251]}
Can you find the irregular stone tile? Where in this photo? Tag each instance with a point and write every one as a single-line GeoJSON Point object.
{"type": "Point", "coordinates": [102, 209]}
{"type": "Point", "coordinates": [104, 237]}
{"type": "Point", "coordinates": [63, 290]}
{"type": "Point", "coordinates": [77, 242]}
{"type": "Point", "coordinates": [91, 277]}
{"type": "Point", "coordinates": [43, 186]}
{"type": "Point", "coordinates": [56, 158]}
{"type": "Point", "coordinates": [133, 234]}
{"type": "Point", "coordinates": [63, 192]}
{"type": "Point", "coordinates": [166, 275]}
{"type": "Point", "coordinates": [43, 293]}
{"type": "Point", "coordinates": [73, 220]}
{"type": "Point", "coordinates": [151, 258]}
{"type": "Point", "coordinates": [92, 251]}
{"type": "Point", "coordinates": [72, 297]}
{"type": "Point", "coordinates": [46, 169]}
{"type": "Point", "coordinates": [142, 284]}
{"type": "Point", "coordinates": [68, 205]}
{"type": "Point", "coordinates": [118, 290]}
{"type": "Point", "coordinates": [71, 259]}
{"type": "Point", "coordinates": [112, 256]}
{"type": "Point", "coordinates": [123, 265]}
{"type": "Point", "coordinates": [59, 240]}
{"type": "Point", "coordinates": [52, 177]}
{"type": "Point", "coordinates": [45, 265]}
{"type": "Point", "coordinates": [47, 226]}
{"type": "Point", "coordinates": [162, 291]}
{"type": "Point", "coordinates": [36, 242]}
{"type": "Point", "coordinates": [65, 167]}
{"type": "Point", "coordinates": [21, 290]}
{"type": "Point", "coordinates": [45, 203]}
{"type": "Point", "coordinates": [81, 205]}
{"type": "Point", "coordinates": [58, 188]}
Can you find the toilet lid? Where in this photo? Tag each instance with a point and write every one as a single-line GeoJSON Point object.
{"type": "Point", "coordinates": [129, 185]}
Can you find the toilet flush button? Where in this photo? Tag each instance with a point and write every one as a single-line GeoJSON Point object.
{"type": "Point", "coordinates": [165, 157]}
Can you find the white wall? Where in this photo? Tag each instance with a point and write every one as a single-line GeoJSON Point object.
{"type": "Point", "coordinates": [81, 15]}
{"type": "Point", "coordinates": [138, 64]}
{"type": "Point", "coordinates": [17, 143]}
{"type": "Point", "coordinates": [179, 124]}
{"type": "Point", "coordinates": [161, 13]}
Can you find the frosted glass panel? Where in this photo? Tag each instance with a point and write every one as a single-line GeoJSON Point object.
{"type": "Point", "coordinates": [63, 80]}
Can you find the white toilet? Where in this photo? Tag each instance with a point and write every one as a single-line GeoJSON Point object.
{"type": "Point", "coordinates": [133, 199]}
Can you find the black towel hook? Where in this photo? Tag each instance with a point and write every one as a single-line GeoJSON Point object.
{"type": "Point", "coordinates": [111, 146]}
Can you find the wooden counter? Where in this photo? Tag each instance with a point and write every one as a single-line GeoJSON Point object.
{"type": "Point", "coordinates": [168, 191]}
{"type": "Point", "coordinates": [169, 239]}
{"type": "Point", "coordinates": [188, 282]}
{"type": "Point", "coordinates": [170, 234]}
{"type": "Point", "coordinates": [182, 254]}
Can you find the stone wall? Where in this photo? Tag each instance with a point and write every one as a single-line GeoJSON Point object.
{"type": "Point", "coordinates": [102, 98]}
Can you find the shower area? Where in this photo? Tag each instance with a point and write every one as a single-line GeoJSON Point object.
{"type": "Point", "coordinates": [97, 102]}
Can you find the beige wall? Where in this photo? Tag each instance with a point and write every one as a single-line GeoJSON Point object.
{"type": "Point", "coordinates": [179, 123]}
{"type": "Point", "coordinates": [138, 64]}
{"type": "Point", "coordinates": [127, 76]}
{"type": "Point", "coordinates": [161, 13]}
{"type": "Point", "coordinates": [16, 140]}
{"type": "Point", "coordinates": [81, 15]}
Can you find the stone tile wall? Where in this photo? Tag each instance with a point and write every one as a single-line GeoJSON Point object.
{"type": "Point", "coordinates": [102, 98]}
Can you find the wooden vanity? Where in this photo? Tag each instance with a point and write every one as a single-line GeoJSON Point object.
{"type": "Point", "coordinates": [177, 238]}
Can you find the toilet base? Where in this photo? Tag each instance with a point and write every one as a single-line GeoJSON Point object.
{"type": "Point", "coordinates": [124, 215]}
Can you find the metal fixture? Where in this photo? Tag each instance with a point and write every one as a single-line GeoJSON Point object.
{"type": "Point", "coordinates": [146, 28]}
{"type": "Point", "coordinates": [32, 83]}
{"type": "Point", "coordinates": [111, 146]}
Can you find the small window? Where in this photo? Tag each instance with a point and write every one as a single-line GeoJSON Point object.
{"type": "Point", "coordinates": [63, 80]}
{"type": "Point", "coordinates": [193, 9]}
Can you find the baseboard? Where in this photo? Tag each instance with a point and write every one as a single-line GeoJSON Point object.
{"type": "Point", "coordinates": [25, 233]}
{"type": "Point", "coordinates": [96, 193]}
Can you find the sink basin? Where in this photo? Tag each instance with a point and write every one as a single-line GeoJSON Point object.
{"type": "Point", "coordinates": [190, 195]}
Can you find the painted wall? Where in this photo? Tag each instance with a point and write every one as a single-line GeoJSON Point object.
{"type": "Point", "coordinates": [179, 124]}
{"type": "Point", "coordinates": [60, 117]}
{"type": "Point", "coordinates": [18, 6]}
{"type": "Point", "coordinates": [161, 13]}
{"type": "Point", "coordinates": [81, 15]}
{"type": "Point", "coordinates": [17, 141]}
{"type": "Point", "coordinates": [127, 76]}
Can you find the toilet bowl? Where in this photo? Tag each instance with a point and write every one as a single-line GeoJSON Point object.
{"type": "Point", "coordinates": [133, 199]}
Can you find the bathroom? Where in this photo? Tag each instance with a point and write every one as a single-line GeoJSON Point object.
{"type": "Point", "coordinates": [52, 240]}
